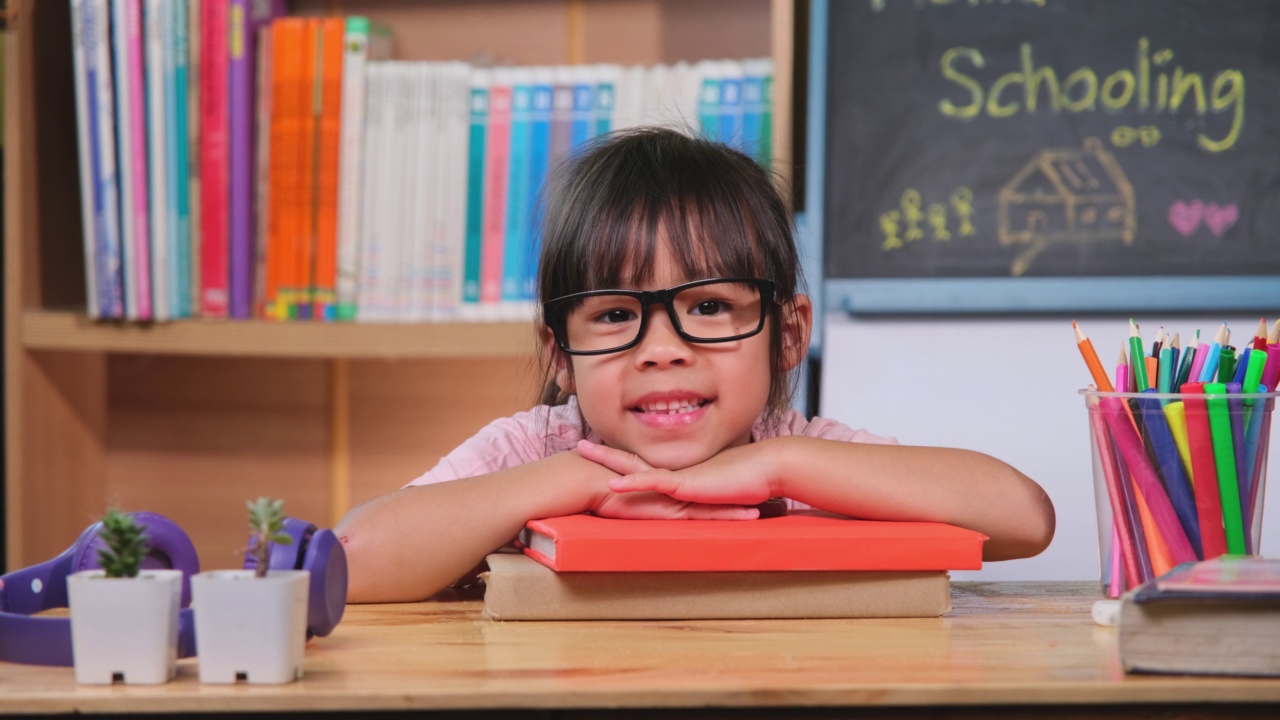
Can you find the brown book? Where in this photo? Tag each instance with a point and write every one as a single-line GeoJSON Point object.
{"type": "Point", "coordinates": [519, 588]}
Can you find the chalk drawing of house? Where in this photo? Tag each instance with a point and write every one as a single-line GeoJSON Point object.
{"type": "Point", "coordinates": [1066, 195]}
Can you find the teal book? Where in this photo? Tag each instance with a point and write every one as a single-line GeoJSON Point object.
{"type": "Point", "coordinates": [766, 115]}
{"type": "Point", "coordinates": [479, 120]}
{"type": "Point", "coordinates": [516, 246]}
{"type": "Point", "coordinates": [709, 102]}
{"type": "Point", "coordinates": [539, 161]}
{"type": "Point", "coordinates": [175, 103]}
{"type": "Point", "coordinates": [582, 125]}
{"type": "Point", "coordinates": [606, 98]}
{"type": "Point", "coordinates": [731, 105]}
{"type": "Point", "coordinates": [752, 108]}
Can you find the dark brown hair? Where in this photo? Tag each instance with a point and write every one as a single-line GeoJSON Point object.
{"type": "Point", "coordinates": [720, 213]}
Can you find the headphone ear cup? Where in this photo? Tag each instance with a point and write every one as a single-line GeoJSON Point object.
{"type": "Point", "coordinates": [285, 557]}
{"type": "Point", "coordinates": [326, 560]}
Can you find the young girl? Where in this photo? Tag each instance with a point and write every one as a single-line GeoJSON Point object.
{"type": "Point", "coordinates": [671, 322]}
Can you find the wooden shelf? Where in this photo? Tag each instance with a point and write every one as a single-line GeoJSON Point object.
{"type": "Point", "coordinates": [69, 331]}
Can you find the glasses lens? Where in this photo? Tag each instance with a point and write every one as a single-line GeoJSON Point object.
{"type": "Point", "coordinates": [601, 322]}
{"type": "Point", "coordinates": [719, 310]}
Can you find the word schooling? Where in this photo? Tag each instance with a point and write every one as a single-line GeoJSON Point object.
{"type": "Point", "coordinates": [1149, 86]}
{"type": "Point", "coordinates": [903, 225]}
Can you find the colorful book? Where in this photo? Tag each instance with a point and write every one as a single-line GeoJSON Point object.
{"type": "Point", "coordinates": [157, 24]}
{"type": "Point", "coordinates": [561, 114]}
{"type": "Point", "coordinates": [177, 172]}
{"type": "Point", "coordinates": [214, 160]}
{"type": "Point", "coordinates": [332, 34]}
{"type": "Point", "coordinates": [496, 164]}
{"type": "Point", "coordinates": [193, 148]}
{"type": "Point", "coordinates": [244, 19]}
{"type": "Point", "coordinates": [451, 216]}
{"type": "Point", "coordinates": [582, 119]}
{"type": "Point", "coordinates": [543, 87]}
{"type": "Point", "coordinates": [709, 87]}
{"type": "Point", "coordinates": [96, 131]}
{"type": "Point", "coordinates": [766, 113]}
{"type": "Point", "coordinates": [516, 245]}
{"type": "Point", "coordinates": [481, 80]}
{"type": "Point", "coordinates": [262, 167]}
{"type": "Point", "coordinates": [753, 80]}
{"type": "Point", "coordinates": [606, 98]}
{"type": "Point", "coordinates": [289, 110]}
{"type": "Point", "coordinates": [586, 543]}
{"type": "Point", "coordinates": [518, 588]}
{"type": "Point", "coordinates": [365, 41]}
{"type": "Point", "coordinates": [731, 104]}
{"type": "Point", "coordinates": [1217, 617]}
{"type": "Point", "coordinates": [131, 144]}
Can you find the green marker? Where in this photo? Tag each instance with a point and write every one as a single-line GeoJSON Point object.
{"type": "Point", "coordinates": [1224, 459]}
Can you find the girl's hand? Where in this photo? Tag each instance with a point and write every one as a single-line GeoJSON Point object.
{"type": "Point", "coordinates": [651, 505]}
{"type": "Point", "coordinates": [737, 476]}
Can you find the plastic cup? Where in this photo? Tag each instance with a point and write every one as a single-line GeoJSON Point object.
{"type": "Point", "coordinates": [1177, 477]}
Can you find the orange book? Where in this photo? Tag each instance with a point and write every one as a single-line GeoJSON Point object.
{"type": "Point", "coordinates": [324, 284]}
{"type": "Point", "coordinates": [790, 542]}
{"type": "Point", "coordinates": [288, 51]}
{"type": "Point", "coordinates": [305, 207]}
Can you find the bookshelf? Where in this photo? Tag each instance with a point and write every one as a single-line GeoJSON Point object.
{"type": "Point", "coordinates": [192, 418]}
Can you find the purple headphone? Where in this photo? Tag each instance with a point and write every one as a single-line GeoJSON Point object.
{"type": "Point", "coordinates": [47, 640]}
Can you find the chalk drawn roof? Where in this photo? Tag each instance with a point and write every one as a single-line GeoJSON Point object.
{"type": "Point", "coordinates": [1084, 174]}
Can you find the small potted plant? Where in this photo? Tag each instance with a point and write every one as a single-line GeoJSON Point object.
{"type": "Point", "coordinates": [124, 620]}
{"type": "Point", "coordinates": [251, 625]}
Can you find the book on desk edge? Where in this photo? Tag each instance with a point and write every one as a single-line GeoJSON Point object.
{"type": "Point", "coordinates": [519, 588]}
{"type": "Point", "coordinates": [797, 541]}
{"type": "Point", "coordinates": [1219, 616]}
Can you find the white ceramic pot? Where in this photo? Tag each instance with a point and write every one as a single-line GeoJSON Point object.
{"type": "Point", "coordinates": [124, 629]}
{"type": "Point", "coordinates": [250, 629]}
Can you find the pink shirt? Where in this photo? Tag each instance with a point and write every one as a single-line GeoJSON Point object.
{"type": "Point", "coordinates": [547, 430]}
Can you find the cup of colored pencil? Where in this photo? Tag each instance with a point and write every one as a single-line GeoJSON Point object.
{"type": "Point", "coordinates": [1179, 439]}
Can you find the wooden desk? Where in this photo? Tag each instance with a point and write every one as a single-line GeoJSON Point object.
{"type": "Point", "coordinates": [1004, 650]}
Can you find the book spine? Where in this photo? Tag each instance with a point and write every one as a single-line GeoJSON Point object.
{"type": "Point", "coordinates": [709, 99]}
{"type": "Point", "coordinates": [141, 262]}
{"type": "Point", "coordinates": [262, 167]}
{"type": "Point", "coordinates": [766, 113]}
{"type": "Point", "coordinates": [539, 157]}
{"type": "Point", "coordinates": [516, 244]}
{"type": "Point", "coordinates": [214, 169]}
{"type": "Point", "coordinates": [582, 122]}
{"type": "Point", "coordinates": [478, 127]}
{"type": "Point", "coordinates": [497, 163]}
{"type": "Point", "coordinates": [120, 29]}
{"type": "Point", "coordinates": [377, 112]}
{"type": "Point", "coordinates": [561, 113]}
{"type": "Point", "coordinates": [83, 60]}
{"type": "Point", "coordinates": [421, 238]}
{"type": "Point", "coordinates": [329, 133]}
{"type": "Point", "coordinates": [240, 45]}
{"type": "Point", "coordinates": [731, 104]}
{"type": "Point", "coordinates": [176, 137]}
{"type": "Point", "coordinates": [192, 91]}
{"type": "Point", "coordinates": [303, 282]}
{"type": "Point", "coordinates": [456, 87]}
{"type": "Point", "coordinates": [752, 108]}
{"type": "Point", "coordinates": [606, 97]}
{"type": "Point", "coordinates": [107, 257]}
{"type": "Point", "coordinates": [351, 164]}
{"type": "Point", "coordinates": [158, 159]}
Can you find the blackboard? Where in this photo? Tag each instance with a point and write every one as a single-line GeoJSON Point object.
{"type": "Point", "coordinates": [1057, 140]}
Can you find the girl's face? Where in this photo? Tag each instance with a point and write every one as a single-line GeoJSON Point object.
{"type": "Point", "coordinates": [672, 402]}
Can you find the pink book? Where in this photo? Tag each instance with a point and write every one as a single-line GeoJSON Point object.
{"type": "Point", "coordinates": [497, 158]}
{"type": "Point", "coordinates": [214, 158]}
{"type": "Point", "coordinates": [137, 166]}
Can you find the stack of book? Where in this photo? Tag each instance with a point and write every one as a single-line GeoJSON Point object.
{"type": "Point", "coordinates": [582, 567]}
{"type": "Point", "coordinates": [1218, 617]}
{"type": "Point", "coordinates": [238, 163]}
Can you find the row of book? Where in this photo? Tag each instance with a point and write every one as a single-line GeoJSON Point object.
{"type": "Point", "coordinates": [239, 163]}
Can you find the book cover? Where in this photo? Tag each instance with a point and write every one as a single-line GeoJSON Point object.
{"type": "Point", "coordinates": [192, 91]}
{"type": "Point", "coordinates": [328, 140]}
{"type": "Point", "coordinates": [214, 160]}
{"type": "Point", "coordinates": [365, 41]}
{"type": "Point", "coordinates": [288, 108]}
{"type": "Point", "coordinates": [1218, 617]}
{"type": "Point", "coordinates": [798, 541]}
{"type": "Point", "coordinates": [302, 277]}
{"type": "Point", "coordinates": [244, 19]}
{"type": "Point", "coordinates": [518, 588]}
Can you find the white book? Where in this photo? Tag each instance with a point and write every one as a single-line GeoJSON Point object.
{"type": "Point", "coordinates": [82, 25]}
{"type": "Point", "coordinates": [363, 42]}
{"type": "Point", "coordinates": [630, 92]}
{"type": "Point", "coordinates": [403, 180]}
{"type": "Point", "coordinates": [685, 84]}
{"type": "Point", "coordinates": [416, 242]}
{"type": "Point", "coordinates": [452, 216]}
{"type": "Point", "coordinates": [157, 156]}
{"type": "Point", "coordinates": [372, 307]}
{"type": "Point", "coordinates": [430, 77]}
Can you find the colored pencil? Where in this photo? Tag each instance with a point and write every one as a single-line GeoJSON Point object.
{"type": "Point", "coordinates": [1137, 365]}
{"type": "Point", "coordinates": [1260, 337]}
{"type": "Point", "coordinates": [1091, 360]}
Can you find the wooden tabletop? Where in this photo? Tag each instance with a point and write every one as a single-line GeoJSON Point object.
{"type": "Point", "coordinates": [1002, 644]}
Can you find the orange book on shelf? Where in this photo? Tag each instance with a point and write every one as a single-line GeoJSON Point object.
{"type": "Point", "coordinates": [288, 105]}
{"type": "Point", "coordinates": [324, 284]}
{"type": "Point", "coordinates": [305, 207]}
{"type": "Point", "coordinates": [799, 541]}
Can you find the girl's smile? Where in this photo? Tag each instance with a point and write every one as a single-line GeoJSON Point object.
{"type": "Point", "coordinates": [670, 409]}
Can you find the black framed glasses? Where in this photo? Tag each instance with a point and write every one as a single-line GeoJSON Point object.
{"type": "Point", "coordinates": [704, 311]}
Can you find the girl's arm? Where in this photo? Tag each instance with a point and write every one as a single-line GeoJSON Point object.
{"type": "Point", "coordinates": [411, 543]}
{"type": "Point", "coordinates": [877, 482]}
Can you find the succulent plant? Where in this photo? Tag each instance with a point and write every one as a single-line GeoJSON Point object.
{"type": "Point", "coordinates": [126, 545]}
{"type": "Point", "coordinates": [266, 526]}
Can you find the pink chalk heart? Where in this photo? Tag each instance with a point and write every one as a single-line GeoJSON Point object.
{"type": "Point", "coordinates": [1220, 218]}
{"type": "Point", "coordinates": [1184, 217]}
